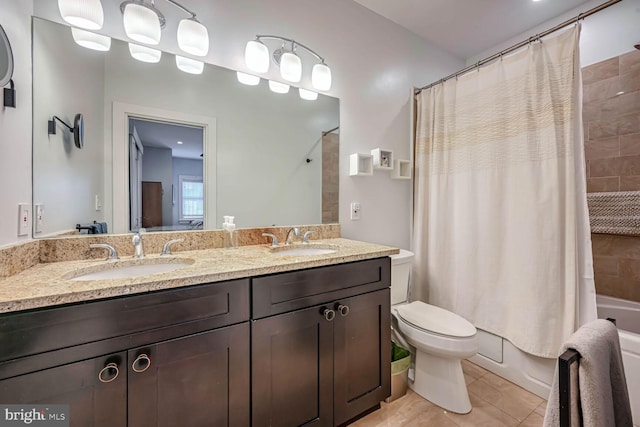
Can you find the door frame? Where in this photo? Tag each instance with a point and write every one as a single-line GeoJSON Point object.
{"type": "Point", "coordinates": [120, 150]}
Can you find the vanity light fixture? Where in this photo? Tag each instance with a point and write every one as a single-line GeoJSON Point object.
{"type": "Point", "coordinates": [278, 87]}
{"type": "Point", "coordinates": [144, 53]}
{"type": "Point", "coordinates": [91, 40]}
{"type": "Point", "coordinates": [308, 95]}
{"type": "Point", "coordinates": [87, 14]}
{"type": "Point", "coordinates": [143, 22]}
{"type": "Point", "coordinates": [247, 79]}
{"type": "Point", "coordinates": [189, 65]}
{"type": "Point", "coordinates": [256, 56]}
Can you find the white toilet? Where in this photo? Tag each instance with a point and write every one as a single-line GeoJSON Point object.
{"type": "Point", "coordinates": [441, 340]}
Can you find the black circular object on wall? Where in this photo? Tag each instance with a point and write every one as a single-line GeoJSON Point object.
{"type": "Point", "coordinates": [78, 130]}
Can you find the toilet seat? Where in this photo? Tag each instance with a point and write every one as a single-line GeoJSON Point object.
{"type": "Point", "coordinates": [432, 319]}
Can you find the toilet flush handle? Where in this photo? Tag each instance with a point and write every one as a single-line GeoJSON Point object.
{"type": "Point", "coordinates": [343, 309]}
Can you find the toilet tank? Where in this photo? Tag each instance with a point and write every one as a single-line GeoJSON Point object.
{"type": "Point", "coordinates": [400, 271]}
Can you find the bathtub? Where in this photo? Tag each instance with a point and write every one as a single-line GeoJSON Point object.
{"type": "Point", "coordinates": [535, 374]}
{"type": "Point", "coordinates": [627, 315]}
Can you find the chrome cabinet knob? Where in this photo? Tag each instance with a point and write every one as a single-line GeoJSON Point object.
{"type": "Point", "coordinates": [328, 314]}
{"type": "Point", "coordinates": [108, 373]}
{"type": "Point", "coordinates": [141, 363]}
{"type": "Point", "coordinates": [343, 310]}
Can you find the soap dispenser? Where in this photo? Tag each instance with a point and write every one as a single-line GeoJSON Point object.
{"type": "Point", "coordinates": [230, 233]}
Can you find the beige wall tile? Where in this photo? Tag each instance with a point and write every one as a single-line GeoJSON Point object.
{"type": "Point", "coordinates": [617, 246]}
{"type": "Point", "coordinates": [601, 71]}
{"type": "Point", "coordinates": [605, 265]}
{"type": "Point", "coordinates": [601, 90]}
{"type": "Point", "coordinates": [630, 144]}
{"type": "Point", "coordinates": [599, 185]}
{"type": "Point", "coordinates": [602, 148]}
{"type": "Point", "coordinates": [630, 269]}
{"type": "Point", "coordinates": [630, 165]}
{"type": "Point", "coordinates": [630, 61]}
{"type": "Point", "coordinates": [630, 183]}
{"type": "Point", "coordinates": [620, 125]}
{"type": "Point", "coordinates": [604, 167]}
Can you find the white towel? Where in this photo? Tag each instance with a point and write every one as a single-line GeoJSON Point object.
{"type": "Point", "coordinates": [602, 388]}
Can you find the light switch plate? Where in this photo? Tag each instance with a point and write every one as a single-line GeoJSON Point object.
{"type": "Point", "coordinates": [39, 217]}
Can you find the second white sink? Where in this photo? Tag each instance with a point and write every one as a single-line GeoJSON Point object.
{"type": "Point", "coordinates": [126, 271]}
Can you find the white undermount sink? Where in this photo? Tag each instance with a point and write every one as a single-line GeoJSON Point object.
{"type": "Point", "coordinates": [304, 250]}
{"type": "Point", "coordinates": [120, 270]}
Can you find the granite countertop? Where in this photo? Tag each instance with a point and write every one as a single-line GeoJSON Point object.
{"type": "Point", "coordinates": [49, 284]}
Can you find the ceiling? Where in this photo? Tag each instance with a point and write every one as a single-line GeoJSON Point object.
{"type": "Point", "coordinates": [166, 135]}
{"type": "Point", "coordinates": [469, 27]}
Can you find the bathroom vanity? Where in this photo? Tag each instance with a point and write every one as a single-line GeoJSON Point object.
{"type": "Point", "coordinates": [306, 344]}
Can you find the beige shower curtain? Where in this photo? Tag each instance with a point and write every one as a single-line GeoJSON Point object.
{"type": "Point", "coordinates": [501, 230]}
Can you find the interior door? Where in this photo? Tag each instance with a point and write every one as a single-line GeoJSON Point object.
{"type": "Point", "coordinates": [136, 151]}
{"type": "Point", "coordinates": [151, 204]}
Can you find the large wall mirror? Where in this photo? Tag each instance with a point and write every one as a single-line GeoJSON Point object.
{"type": "Point", "coordinates": [260, 153]}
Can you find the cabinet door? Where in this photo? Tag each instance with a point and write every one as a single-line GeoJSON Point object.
{"type": "Point", "coordinates": [196, 381]}
{"type": "Point", "coordinates": [362, 343]}
{"type": "Point", "coordinates": [96, 393]}
{"type": "Point", "coordinates": [292, 370]}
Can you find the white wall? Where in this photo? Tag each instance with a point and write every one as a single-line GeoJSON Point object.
{"type": "Point", "coordinates": [69, 178]}
{"type": "Point", "coordinates": [15, 123]}
{"type": "Point", "coordinates": [374, 63]}
{"type": "Point", "coordinates": [608, 33]}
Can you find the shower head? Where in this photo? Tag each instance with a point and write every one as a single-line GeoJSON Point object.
{"type": "Point", "coordinates": [637, 46]}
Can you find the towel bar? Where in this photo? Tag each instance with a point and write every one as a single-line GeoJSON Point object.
{"type": "Point", "coordinates": [565, 361]}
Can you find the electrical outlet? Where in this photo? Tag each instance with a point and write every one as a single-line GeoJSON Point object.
{"type": "Point", "coordinates": [98, 203]}
{"type": "Point", "coordinates": [355, 211]}
{"type": "Point", "coordinates": [24, 219]}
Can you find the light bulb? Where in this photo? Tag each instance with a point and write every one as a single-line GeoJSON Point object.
{"type": "Point", "coordinates": [247, 79]}
{"type": "Point", "coordinates": [189, 65]}
{"type": "Point", "coordinates": [256, 56]}
{"type": "Point", "coordinates": [141, 24]}
{"type": "Point", "coordinates": [321, 77]}
{"type": "Point", "coordinates": [278, 87]}
{"type": "Point", "coordinates": [86, 14]}
{"type": "Point", "coordinates": [193, 37]}
{"type": "Point", "coordinates": [309, 95]}
{"type": "Point", "coordinates": [290, 67]}
{"type": "Point", "coordinates": [91, 40]}
{"type": "Point", "coordinates": [145, 54]}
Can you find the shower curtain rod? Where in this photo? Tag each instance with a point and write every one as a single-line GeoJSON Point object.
{"type": "Point", "coordinates": [521, 44]}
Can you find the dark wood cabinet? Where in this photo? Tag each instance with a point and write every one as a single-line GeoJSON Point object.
{"type": "Point", "coordinates": [362, 354]}
{"type": "Point", "coordinates": [326, 364]}
{"type": "Point", "coordinates": [307, 347]}
{"type": "Point", "coordinates": [94, 389]}
{"type": "Point", "coordinates": [164, 358]}
{"type": "Point", "coordinates": [199, 380]}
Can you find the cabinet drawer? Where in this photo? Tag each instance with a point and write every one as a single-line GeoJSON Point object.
{"type": "Point", "coordinates": [33, 332]}
{"type": "Point", "coordinates": [284, 292]}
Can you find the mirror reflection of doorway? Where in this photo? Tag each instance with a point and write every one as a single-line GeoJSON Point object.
{"type": "Point", "coordinates": [165, 175]}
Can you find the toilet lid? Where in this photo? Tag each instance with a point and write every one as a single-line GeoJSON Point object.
{"type": "Point", "coordinates": [435, 319]}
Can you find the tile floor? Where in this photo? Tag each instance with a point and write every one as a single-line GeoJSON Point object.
{"type": "Point", "coordinates": [496, 402]}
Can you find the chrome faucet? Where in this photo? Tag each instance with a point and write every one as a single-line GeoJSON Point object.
{"type": "Point", "coordinates": [138, 247]}
{"type": "Point", "coordinates": [305, 238]}
{"type": "Point", "coordinates": [166, 249]}
{"type": "Point", "coordinates": [296, 232]}
{"type": "Point", "coordinates": [113, 255]}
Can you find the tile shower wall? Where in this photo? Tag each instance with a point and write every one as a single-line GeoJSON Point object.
{"type": "Point", "coordinates": [611, 114]}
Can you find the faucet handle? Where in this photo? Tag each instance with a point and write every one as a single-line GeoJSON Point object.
{"type": "Point", "coordinates": [113, 255]}
{"type": "Point", "coordinates": [166, 249]}
{"type": "Point", "coordinates": [274, 239]}
{"type": "Point", "coordinates": [305, 238]}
